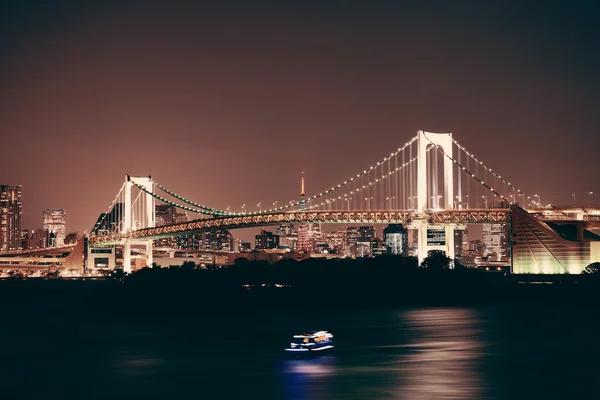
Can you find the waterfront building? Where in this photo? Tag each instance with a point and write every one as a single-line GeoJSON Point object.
{"type": "Point", "coordinates": [109, 222]}
{"type": "Point", "coordinates": [395, 237]}
{"type": "Point", "coordinates": [412, 242]}
{"type": "Point", "coordinates": [39, 239]}
{"type": "Point", "coordinates": [366, 233]}
{"type": "Point", "coordinates": [377, 247]}
{"type": "Point", "coordinates": [167, 214]}
{"type": "Point", "coordinates": [288, 237]}
{"type": "Point", "coordinates": [10, 217]}
{"type": "Point", "coordinates": [335, 241]}
{"type": "Point", "coordinates": [54, 222]}
{"type": "Point", "coordinates": [266, 240]}
{"type": "Point", "coordinates": [494, 239]}
{"type": "Point", "coordinates": [539, 247]}
{"type": "Point", "coordinates": [350, 241]}
{"type": "Point", "coordinates": [458, 241]}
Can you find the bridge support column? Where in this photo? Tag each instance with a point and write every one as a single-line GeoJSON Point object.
{"type": "Point", "coordinates": [127, 256]}
{"type": "Point", "coordinates": [149, 255]}
{"type": "Point", "coordinates": [436, 237]}
{"type": "Point", "coordinates": [424, 140]}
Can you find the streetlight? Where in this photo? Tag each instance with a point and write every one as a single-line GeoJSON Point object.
{"type": "Point", "coordinates": [259, 207]}
{"type": "Point", "coordinates": [591, 193]}
{"type": "Point", "coordinates": [485, 199]}
{"type": "Point", "coordinates": [573, 194]}
{"type": "Point", "coordinates": [539, 201]}
{"type": "Point", "coordinates": [243, 208]}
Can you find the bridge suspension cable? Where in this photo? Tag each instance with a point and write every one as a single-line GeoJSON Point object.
{"type": "Point", "coordinates": [163, 199]}
{"type": "Point", "coordinates": [200, 206]}
{"type": "Point", "coordinates": [482, 179]}
{"type": "Point", "coordinates": [107, 221]}
{"type": "Point", "coordinates": [494, 173]}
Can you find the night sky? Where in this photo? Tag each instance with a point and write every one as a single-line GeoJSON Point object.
{"type": "Point", "coordinates": [229, 104]}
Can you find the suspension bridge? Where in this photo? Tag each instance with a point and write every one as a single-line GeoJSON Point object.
{"type": "Point", "coordinates": [431, 184]}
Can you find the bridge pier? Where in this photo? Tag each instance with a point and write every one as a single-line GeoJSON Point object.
{"type": "Point", "coordinates": [435, 237]}
{"type": "Point", "coordinates": [149, 255]}
{"type": "Point", "coordinates": [127, 256]}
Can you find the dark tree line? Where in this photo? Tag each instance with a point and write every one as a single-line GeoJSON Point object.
{"type": "Point", "coordinates": [381, 281]}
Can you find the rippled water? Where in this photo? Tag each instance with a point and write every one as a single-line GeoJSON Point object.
{"type": "Point", "coordinates": [499, 352]}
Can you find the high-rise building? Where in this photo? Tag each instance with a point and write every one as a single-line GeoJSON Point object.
{"type": "Point", "coordinates": [350, 240]}
{"type": "Point", "coordinates": [54, 222]}
{"type": "Point", "coordinates": [366, 233]}
{"type": "Point", "coordinates": [335, 241]}
{"type": "Point", "coordinates": [10, 217]}
{"type": "Point", "coordinates": [307, 233]}
{"type": "Point", "coordinates": [377, 247]}
{"type": "Point", "coordinates": [39, 239]}
{"type": "Point", "coordinates": [288, 237]}
{"type": "Point", "coordinates": [395, 237]}
{"type": "Point", "coordinates": [413, 242]}
{"type": "Point", "coordinates": [167, 214]}
{"type": "Point", "coordinates": [110, 222]}
{"type": "Point", "coordinates": [495, 241]}
{"type": "Point", "coordinates": [266, 240]}
{"type": "Point", "coordinates": [458, 242]}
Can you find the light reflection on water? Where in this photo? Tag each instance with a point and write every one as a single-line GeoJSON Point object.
{"type": "Point", "coordinates": [446, 350]}
{"type": "Point", "coordinates": [430, 354]}
{"type": "Point", "coordinates": [307, 378]}
{"type": "Point", "coordinates": [138, 365]}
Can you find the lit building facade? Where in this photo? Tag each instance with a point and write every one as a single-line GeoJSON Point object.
{"type": "Point", "coordinates": [377, 248]}
{"type": "Point", "coordinates": [494, 239]}
{"type": "Point", "coordinates": [350, 241]}
{"type": "Point", "coordinates": [10, 217]}
{"type": "Point", "coordinates": [110, 222]}
{"type": "Point", "coordinates": [266, 240]}
{"type": "Point", "coordinates": [54, 222]}
{"type": "Point", "coordinates": [307, 233]}
{"type": "Point", "coordinates": [366, 233]}
{"type": "Point", "coordinates": [288, 237]}
{"type": "Point", "coordinates": [395, 237]}
{"type": "Point", "coordinates": [550, 248]}
{"type": "Point", "coordinates": [38, 239]}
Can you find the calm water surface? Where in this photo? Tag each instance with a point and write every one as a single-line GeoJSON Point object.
{"type": "Point", "coordinates": [493, 352]}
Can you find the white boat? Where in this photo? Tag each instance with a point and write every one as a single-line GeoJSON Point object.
{"type": "Point", "coordinates": [314, 341]}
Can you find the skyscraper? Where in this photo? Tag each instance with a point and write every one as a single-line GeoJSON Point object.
{"type": "Point", "coordinates": [266, 240]}
{"type": "Point", "coordinates": [54, 222]}
{"type": "Point", "coordinates": [10, 217]}
{"type": "Point", "coordinates": [495, 241]}
{"type": "Point", "coordinates": [395, 237]}
{"type": "Point", "coordinates": [304, 230]}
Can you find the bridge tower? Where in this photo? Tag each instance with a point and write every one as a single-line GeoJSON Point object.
{"type": "Point", "coordinates": [133, 219]}
{"type": "Point", "coordinates": [430, 237]}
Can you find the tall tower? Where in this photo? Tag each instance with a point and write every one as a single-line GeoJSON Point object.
{"type": "Point", "coordinates": [302, 194]}
{"type": "Point", "coordinates": [54, 221]}
{"type": "Point", "coordinates": [10, 217]}
{"type": "Point", "coordinates": [304, 230]}
{"type": "Point", "coordinates": [432, 238]}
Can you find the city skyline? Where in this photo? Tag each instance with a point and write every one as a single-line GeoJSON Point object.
{"type": "Point", "coordinates": [206, 99]}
